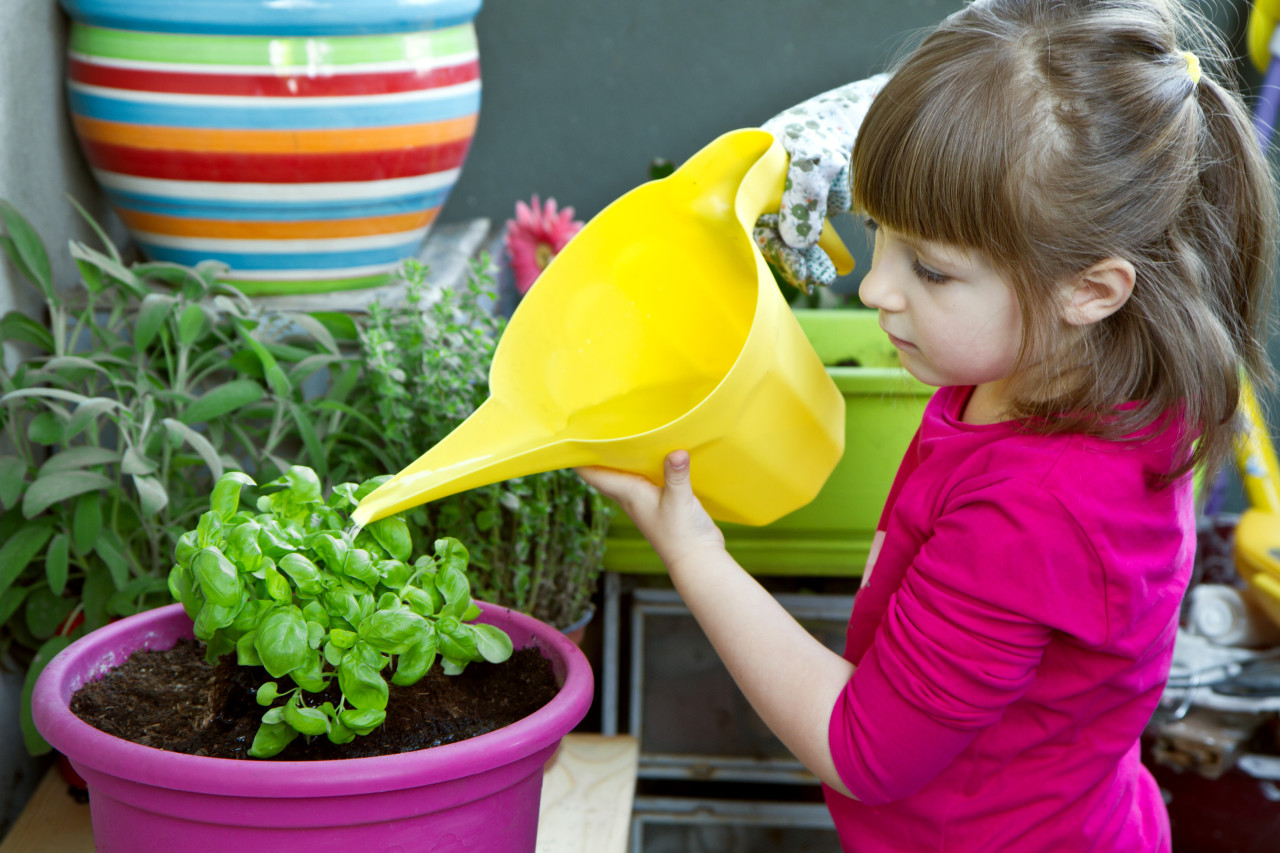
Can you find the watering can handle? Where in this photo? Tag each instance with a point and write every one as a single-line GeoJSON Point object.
{"type": "Point", "coordinates": [829, 241]}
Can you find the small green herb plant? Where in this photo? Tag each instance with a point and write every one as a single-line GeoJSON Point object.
{"type": "Point", "coordinates": [295, 590]}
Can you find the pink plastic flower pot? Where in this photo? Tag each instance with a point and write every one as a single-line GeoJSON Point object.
{"type": "Point", "coordinates": [480, 794]}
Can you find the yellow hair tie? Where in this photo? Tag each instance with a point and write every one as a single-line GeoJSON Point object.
{"type": "Point", "coordinates": [1193, 66]}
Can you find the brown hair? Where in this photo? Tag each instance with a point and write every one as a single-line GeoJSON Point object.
{"type": "Point", "coordinates": [1053, 134]}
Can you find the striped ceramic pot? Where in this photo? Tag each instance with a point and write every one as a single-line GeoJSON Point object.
{"type": "Point", "coordinates": [309, 146]}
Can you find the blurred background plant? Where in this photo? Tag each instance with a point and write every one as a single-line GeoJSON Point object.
{"type": "Point", "coordinates": [147, 383]}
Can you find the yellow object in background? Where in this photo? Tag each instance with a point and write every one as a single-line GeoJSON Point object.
{"type": "Point", "coordinates": [659, 327]}
{"type": "Point", "coordinates": [1258, 32]}
{"type": "Point", "coordinates": [1257, 542]}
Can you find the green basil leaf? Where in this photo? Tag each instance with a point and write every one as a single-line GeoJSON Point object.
{"type": "Point", "coordinates": [278, 588]}
{"type": "Point", "coordinates": [282, 641]}
{"type": "Point", "coordinates": [362, 686]}
{"type": "Point", "coordinates": [247, 654]}
{"type": "Point", "coordinates": [271, 738]}
{"type": "Point", "coordinates": [341, 638]}
{"type": "Point", "coordinates": [209, 530]}
{"type": "Point", "coordinates": [267, 693]}
{"type": "Point", "coordinates": [182, 587]}
{"type": "Point", "coordinates": [362, 720]}
{"type": "Point", "coordinates": [334, 654]}
{"type": "Point", "coordinates": [219, 581]}
{"type": "Point", "coordinates": [393, 631]}
{"type": "Point", "coordinates": [310, 676]}
{"type": "Point", "coordinates": [358, 565]}
{"type": "Point", "coordinates": [304, 573]}
{"type": "Point", "coordinates": [243, 547]}
{"type": "Point", "coordinates": [414, 663]}
{"type": "Point", "coordinates": [313, 611]}
{"type": "Point", "coordinates": [225, 499]}
{"type": "Point", "coordinates": [308, 721]}
{"type": "Point", "coordinates": [425, 601]}
{"type": "Point", "coordinates": [186, 548]}
{"type": "Point", "coordinates": [393, 534]}
{"type": "Point", "coordinates": [492, 642]}
{"type": "Point", "coordinates": [456, 641]}
{"type": "Point", "coordinates": [340, 602]}
{"type": "Point", "coordinates": [340, 734]}
{"type": "Point", "coordinates": [453, 585]}
{"type": "Point", "coordinates": [211, 618]}
{"type": "Point", "coordinates": [452, 554]}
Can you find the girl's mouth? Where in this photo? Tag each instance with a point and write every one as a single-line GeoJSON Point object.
{"type": "Point", "coordinates": [899, 342]}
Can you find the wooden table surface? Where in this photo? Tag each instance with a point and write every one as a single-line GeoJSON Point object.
{"type": "Point", "coordinates": [587, 794]}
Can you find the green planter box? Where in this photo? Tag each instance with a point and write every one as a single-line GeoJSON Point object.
{"type": "Point", "coordinates": [831, 536]}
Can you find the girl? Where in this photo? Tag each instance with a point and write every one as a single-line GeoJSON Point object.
{"type": "Point", "coordinates": [1072, 242]}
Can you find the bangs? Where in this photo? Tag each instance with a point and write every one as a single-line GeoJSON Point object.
{"type": "Point", "coordinates": [934, 156]}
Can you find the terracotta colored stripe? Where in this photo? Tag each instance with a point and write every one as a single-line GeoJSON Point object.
{"type": "Point", "coordinates": [270, 85]}
{"type": "Point", "coordinates": [221, 229]}
{"type": "Point", "coordinates": [232, 167]}
{"type": "Point", "coordinates": [275, 141]}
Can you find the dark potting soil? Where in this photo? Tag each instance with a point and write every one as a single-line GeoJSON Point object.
{"type": "Point", "coordinates": [174, 700]}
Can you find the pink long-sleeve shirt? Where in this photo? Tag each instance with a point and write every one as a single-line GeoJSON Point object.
{"type": "Point", "coordinates": [1012, 638]}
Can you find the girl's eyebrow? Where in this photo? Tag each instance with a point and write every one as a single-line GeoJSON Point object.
{"type": "Point", "coordinates": [933, 256]}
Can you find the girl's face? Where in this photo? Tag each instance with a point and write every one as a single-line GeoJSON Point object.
{"type": "Point", "coordinates": [953, 317]}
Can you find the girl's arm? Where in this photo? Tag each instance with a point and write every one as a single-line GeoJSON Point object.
{"type": "Point", "coordinates": [791, 679]}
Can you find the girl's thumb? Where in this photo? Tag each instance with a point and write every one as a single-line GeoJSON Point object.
{"type": "Point", "coordinates": [676, 471]}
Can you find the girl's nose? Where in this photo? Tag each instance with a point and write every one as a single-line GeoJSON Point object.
{"type": "Point", "coordinates": [877, 291]}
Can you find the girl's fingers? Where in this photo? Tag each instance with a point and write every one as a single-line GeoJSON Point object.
{"type": "Point", "coordinates": [612, 483]}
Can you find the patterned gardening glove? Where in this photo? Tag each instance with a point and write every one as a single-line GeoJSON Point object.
{"type": "Point", "coordinates": [818, 135]}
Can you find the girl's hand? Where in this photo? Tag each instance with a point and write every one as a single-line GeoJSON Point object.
{"type": "Point", "coordinates": [670, 516]}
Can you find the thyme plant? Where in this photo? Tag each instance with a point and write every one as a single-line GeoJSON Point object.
{"type": "Point", "coordinates": [536, 542]}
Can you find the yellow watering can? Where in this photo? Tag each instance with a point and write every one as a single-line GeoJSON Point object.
{"type": "Point", "coordinates": [659, 327]}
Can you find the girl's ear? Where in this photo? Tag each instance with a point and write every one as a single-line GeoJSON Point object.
{"type": "Point", "coordinates": [1098, 292]}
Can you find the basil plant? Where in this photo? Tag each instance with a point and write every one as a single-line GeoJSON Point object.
{"type": "Point", "coordinates": [296, 589]}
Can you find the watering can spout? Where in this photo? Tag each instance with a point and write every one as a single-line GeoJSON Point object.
{"type": "Point", "coordinates": [495, 443]}
{"type": "Point", "coordinates": [659, 327]}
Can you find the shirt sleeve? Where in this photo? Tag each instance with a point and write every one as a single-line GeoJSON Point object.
{"type": "Point", "coordinates": [962, 636]}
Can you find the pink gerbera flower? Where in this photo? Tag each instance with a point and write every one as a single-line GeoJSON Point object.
{"type": "Point", "coordinates": [535, 236]}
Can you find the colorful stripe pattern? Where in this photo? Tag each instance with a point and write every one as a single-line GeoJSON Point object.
{"type": "Point", "coordinates": [304, 163]}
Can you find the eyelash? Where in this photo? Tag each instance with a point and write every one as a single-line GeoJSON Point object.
{"type": "Point", "coordinates": [922, 272]}
{"type": "Point", "coordinates": [925, 274]}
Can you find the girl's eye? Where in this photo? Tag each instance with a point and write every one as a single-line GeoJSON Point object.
{"type": "Point", "coordinates": [926, 274]}
{"type": "Point", "coordinates": [871, 225]}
